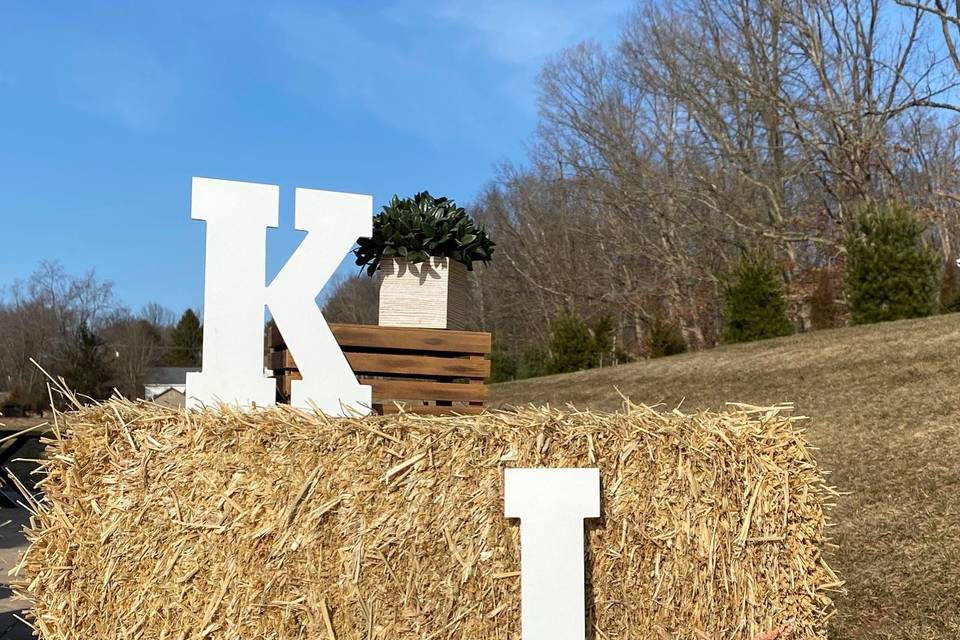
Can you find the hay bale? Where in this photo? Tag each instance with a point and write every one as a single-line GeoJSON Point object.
{"type": "Point", "coordinates": [278, 524]}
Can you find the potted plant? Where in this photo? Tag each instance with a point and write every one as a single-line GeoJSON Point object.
{"type": "Point", "coordinates": [423, 247]}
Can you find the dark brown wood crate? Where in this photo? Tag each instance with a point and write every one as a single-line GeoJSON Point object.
{"type": "Point", "coordinates": [408, 339]}
{"type": "Point", "coordinates": [432, 371]}
{"type": "Point", "coordinates": [386, 390]}
{"type": "Point", "coordinates": [390, 364]}
{"type": "Point", "coordinates": [280, 360]}
{"type": "Point", "coordinates": [283, 383]}
{"type": "Point", "coordinates": [422, 390]}
{"type": "Point", "coordinates": [274, 339]}
{"type": "Point", "coordinates": [399, 338]}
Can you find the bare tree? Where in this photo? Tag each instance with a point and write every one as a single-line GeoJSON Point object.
{"type": "Point", "coordinates": [948, 14]}
{"type": "Point", "coordinates": [710, 129]}
{"type": "Point", "coordinates": [45, 318]}
{"type": "Point", "coordinates": [354, 300]}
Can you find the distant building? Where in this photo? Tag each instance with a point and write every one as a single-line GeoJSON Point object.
{"type": "Point", "coordinates": [172, 397]}
{"type": "Point", "coordinates": [167, 386]}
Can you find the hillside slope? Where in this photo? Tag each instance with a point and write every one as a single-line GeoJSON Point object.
{"type": "Point", "coordinates": [885, 414]}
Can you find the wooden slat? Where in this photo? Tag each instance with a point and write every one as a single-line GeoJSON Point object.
{"type": "Point", "coordinates": [274, 339]}
{"type": "Point", "coordinates": [480, 382]}
{"type": "Point", "coordinates": [389, 390]}
{"type": "Point", "coordinates": [404, 338]}
{"type": "Point", "coordinates": [384, 405]}
{"type": "Point", "coordinates": [388, 364]}
{"type": "Point", "coordinates": [279, 360]}
{"type": "Point", "coordinates": [429, 410]}
{"type": "Point", "coordinates": [375, 351]}
{"type": "Point", "coordinates": [386, 390]}
{"type": "Point", "coordinates": [400, 364]}
{"type": "Point", "coordinates": [283, 381]}
{"type": "Point", "coordinates": [400, 338]}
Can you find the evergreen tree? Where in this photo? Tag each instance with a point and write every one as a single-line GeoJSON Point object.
{"type": "Point", "coordinates": [570, 345]}
{"type": "Point", "coordinates": [89, 369]}
{"type": "Point", "coordinates": [753, 300]}
{"type": "Point", "coordinates": [503, 366]}
{"type": "Point", "coordinates": [533, 362]}
{"type": "Point", "coordinates": [950, 289]}
{"type": "Point", "coordinates": [186, 341]}
{"type": "Point", "coordinates": [890, 273]}
{"type": "Point", "coordinates": [601, 331]}
{"type": "Point", "coordinates": [665, 338]}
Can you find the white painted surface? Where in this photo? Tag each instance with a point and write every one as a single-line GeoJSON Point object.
{"type": "Point", "coordinates": [237, 216]}
{"type": "Point", "coordinates": [552, 505]}
{"type": "Point", "coordinates": [333, 221]}
{"type": "Point", "coordinates": [429, 294]}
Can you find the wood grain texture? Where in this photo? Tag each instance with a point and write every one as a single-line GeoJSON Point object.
{"type": "Point", "coordinates": [389, 358]}
{"type": "Point", "coordinates": [410, 339]}
{"type": "Point", "coordinates": [425, 390]}
{"type": "Point", "coordinates": [279, 361]}
{"type": "Point", "coordinates": [388, 364]}
{"type": "Point", "coordinates": [399, 338]}
{"type": "Point", "coordinates": [274, 337]}
{"type": "Point", "coordinates": [429, 294]}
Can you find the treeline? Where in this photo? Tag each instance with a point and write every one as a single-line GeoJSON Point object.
{"type": "Point", "coordinates": [74, 328]}
{"type": "Point", "coordinates": [710, 134]}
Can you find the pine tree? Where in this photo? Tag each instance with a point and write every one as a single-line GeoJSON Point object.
{"type": "Point", "coordinates": [571, 346]}
{"type": "Point", "coordinates": [601, 330]}
{"type": "Point", "coordinates": [89, 369]}
{"type": "Point", "coordinates": [890, 273]}
{"type": "Point", "coordinates": [186, 341]}
{"type": "Point", "coordinates": [665, 338]}
{"type": "Point", "coordinates": [754, 303]}
{"type": "Point", "coordinates": [950, 289]}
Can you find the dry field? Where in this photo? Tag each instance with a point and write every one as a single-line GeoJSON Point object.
{"type": "Point", "coordinates": [885, 413]}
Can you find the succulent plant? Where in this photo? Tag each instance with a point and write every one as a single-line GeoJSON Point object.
{"type": "Point", "coordinates": [422, 227]}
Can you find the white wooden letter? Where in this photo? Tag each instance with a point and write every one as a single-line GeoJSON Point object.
{"type": "Point", "coordinates": [237, 216]}
{"type": "Point", "coordinates": [552, 505]}
{"type": "Point", "coordinates": [333, 221]}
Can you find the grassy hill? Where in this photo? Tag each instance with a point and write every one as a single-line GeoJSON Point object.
{"type": "Point", "coordinates": [884, 403]}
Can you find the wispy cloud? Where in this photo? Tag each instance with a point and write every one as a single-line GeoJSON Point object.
{"type": "Point", "coordinates": [121, 82]}
{"type": "Point", "coordinates": [519, 33]}
{"type": "Point", "coordinates": [526, 32]}
{"type": "Point", "coordinates": [384, 78]}
{"type": "Point", "coordinates": [414, 63]}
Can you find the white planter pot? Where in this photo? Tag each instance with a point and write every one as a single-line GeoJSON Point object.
{"type": "Point", "coordinates": [429, 294]}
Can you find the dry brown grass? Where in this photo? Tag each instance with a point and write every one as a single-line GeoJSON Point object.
{"type": "Point", "coordinates": [885, 415]}
{"type": "Point", "coordinates": [276, 525]}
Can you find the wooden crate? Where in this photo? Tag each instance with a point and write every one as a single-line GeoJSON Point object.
{"type": "Point", "coordinates": [432, 371]}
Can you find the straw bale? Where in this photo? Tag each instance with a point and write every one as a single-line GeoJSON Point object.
{"type": "Point", "coordinates": [278, 524]}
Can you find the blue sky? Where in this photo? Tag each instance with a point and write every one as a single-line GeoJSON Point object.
{"type": "Point", "coordinates": [108, 109]}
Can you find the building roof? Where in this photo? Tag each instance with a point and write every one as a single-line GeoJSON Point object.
{"type": "Point", "coordinates": [168, 375]}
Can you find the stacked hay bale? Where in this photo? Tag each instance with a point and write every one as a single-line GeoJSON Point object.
{"type": "Point", "coordinates": [279, 524]}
